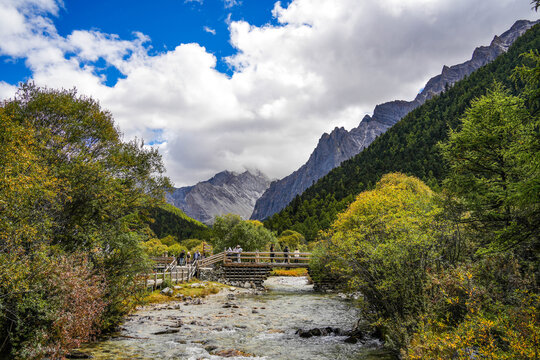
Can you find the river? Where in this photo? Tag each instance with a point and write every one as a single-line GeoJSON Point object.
{"type": "Point", "coordinates": [263, 325]}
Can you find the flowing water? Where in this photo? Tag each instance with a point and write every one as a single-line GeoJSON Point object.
{"type": "Point", "coordinates": [262, 325]}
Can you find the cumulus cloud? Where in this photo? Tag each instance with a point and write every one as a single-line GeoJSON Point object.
{"type": "Point", "coordinates": [326, 63]}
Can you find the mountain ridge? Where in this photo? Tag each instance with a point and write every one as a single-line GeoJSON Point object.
{"type": "Point", "coordinates": [225, 192]}
{"type": "Point", "coordinates": [340, 145]}
{"type": "Point", "coordinates": [409, 147]}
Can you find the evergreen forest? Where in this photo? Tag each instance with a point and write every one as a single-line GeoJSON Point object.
{"type": "Point", "coordinates": [409, 147]}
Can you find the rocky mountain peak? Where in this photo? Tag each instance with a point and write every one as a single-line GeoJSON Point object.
{"type": "Point", "coordinates": [340, 144]}
{"type": "Point", "coordinates": [224, 193]}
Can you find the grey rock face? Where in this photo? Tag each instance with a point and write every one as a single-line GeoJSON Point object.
{"type": "Point", "coordinates": [340, 144]}
{"type": "Point", "coordinates": [227, 192]}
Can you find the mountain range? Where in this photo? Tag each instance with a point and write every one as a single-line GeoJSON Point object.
{"type": "Point", "coordinates": [340, 145]}
{"type": "Point", "coordinates": [410, 147]}
{"type": "Point", "coordinates": [226, 192]}
{"type": "Point", "coordinates": [251, 194]}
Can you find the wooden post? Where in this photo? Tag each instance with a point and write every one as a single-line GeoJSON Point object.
{"type": "Point", "coordinates": [155, 281]}
{"type": "Point", "coordinates": [257, 256]}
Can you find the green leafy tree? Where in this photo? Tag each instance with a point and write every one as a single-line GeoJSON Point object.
{"type": "Point", "coordinates": [154, 247]}
{"type": "Point", "coordinates": [70, 189]}
{"type": "Point", "coordinates": [169, 240]}
{"type": "Point", "coordinates": [292, 239]}
{"type": "Point", "coordinates": [230, 230]}
{"type": "Point", "coordinates": [492, 158]}
{"type": "Point", "coordinates": [191, 243]}
{"type": "Point", "coordinates": [176, 249]}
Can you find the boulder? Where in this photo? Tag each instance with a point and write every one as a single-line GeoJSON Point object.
{"type": "Point", "coordinates": [167, 291]}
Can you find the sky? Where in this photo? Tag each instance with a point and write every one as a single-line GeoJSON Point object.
{"type": "Point", "coordinates": [241, 84]}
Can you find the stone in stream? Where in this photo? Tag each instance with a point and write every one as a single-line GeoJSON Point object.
{"type": "Point", "coordinates": [232, 353]}
{"type": "Point", "coordinates": [167, 331]}
{"type": "Point", "coordinates": [167, 291]}
{"type": "Point", "coordinates": [327, 331]}
{"type": "Point", "coordinates": [78, 355]}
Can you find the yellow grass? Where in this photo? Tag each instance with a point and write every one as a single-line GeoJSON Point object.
{"type": "Point", "coordinates": [185, 289]}
{"type": "Point", "coordinates": [289, 272]}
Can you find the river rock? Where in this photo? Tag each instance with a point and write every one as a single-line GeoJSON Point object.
{"type": "Point", "coordinates": [351, 340]}
{"type": "Point", "coordinates": [167, 291]}
{"type": "Point", "coordinates": [232, 288]}
{"type": "Point", "coordinates": [167, 331]}
{"type": "Point", "coordinates": [231, 297]}
{"type": "Point", "coordinates": [231, 353]}
{"type": "Point", "coordinates": [176, 287]}
{"type": "Point", "coordinates": [327, 331]}
{"type": "Point", "coordinates": [79, 355]}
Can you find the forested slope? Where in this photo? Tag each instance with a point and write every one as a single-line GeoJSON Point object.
{"type": "Point", "coordinates": [409, 147]}
{"type": "Point", "coordinates": [169, 220]}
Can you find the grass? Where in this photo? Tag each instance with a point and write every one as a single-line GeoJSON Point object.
{"type": "Point", "coordinates": [289, 272]}
{"type": "Point", "coordinates": [155, 297]}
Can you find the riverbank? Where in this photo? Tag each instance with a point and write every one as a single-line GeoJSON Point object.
{"type": "Point", "coordinates": [239, 323]}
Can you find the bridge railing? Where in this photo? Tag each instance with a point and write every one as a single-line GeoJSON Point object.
{"type": "Point", "coordinates": [174, 274]}
{"type": "Point", "coordinates": [275, 257]}
{"type": "Point", "coordinates": [211, 260]}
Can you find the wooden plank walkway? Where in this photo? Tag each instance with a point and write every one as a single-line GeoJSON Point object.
{"type": "Point", "coordinates": [244, 266]}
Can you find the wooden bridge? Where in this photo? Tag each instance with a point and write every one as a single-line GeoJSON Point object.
{"type": "Point", "coordinates": [254, 267]}
{"type": "Point", "coordinates": [251, 267]}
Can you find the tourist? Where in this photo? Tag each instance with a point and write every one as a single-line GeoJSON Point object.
{"type": "Point", "coordinates": [272, 253]}
{"type": "Point", "coordinates": [238, 250]}
{"type": "Point", "coordinates": [286, 254]}
{"type": "Point", "coordinates": [296, 255]}
{"type": "Point", "coordinates": [188, 257]}
{"type": "Point", "coordinates": [181, 258]}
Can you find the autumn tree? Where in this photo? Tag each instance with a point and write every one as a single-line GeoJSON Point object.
{"type": "Point", "coordinates": [230, 230]}
{"type": "Point", "coordinates": [71, 192]}
{"type": "Point", "coordinates": [383, 246]}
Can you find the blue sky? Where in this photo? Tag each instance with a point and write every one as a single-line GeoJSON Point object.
{"type": "Point", "coordinates": [225, 84]}
{"type": "Point", "coordinates": [167, 22]}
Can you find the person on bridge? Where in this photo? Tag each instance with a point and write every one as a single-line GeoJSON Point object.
{"type": "Point", "coordinates": [286, 254]}
{"type": "Point", "coordinates": [188, 257]}
{"type": "Point", "coordinates": [181, 258]}
{"type": "Point", "coordinates": [296, 255]}
{"type": "Point", "coordinates": [238, 250]}
{"type": "Point", "coordinates": [272, 253]}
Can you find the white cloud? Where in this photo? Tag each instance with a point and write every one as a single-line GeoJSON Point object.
{"type": "Point", "coordinates": [325, 64]}
{"type": "Point", "coordinates": [231, 3]}
{"type": "Point", "coordinates": [209, 30]}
